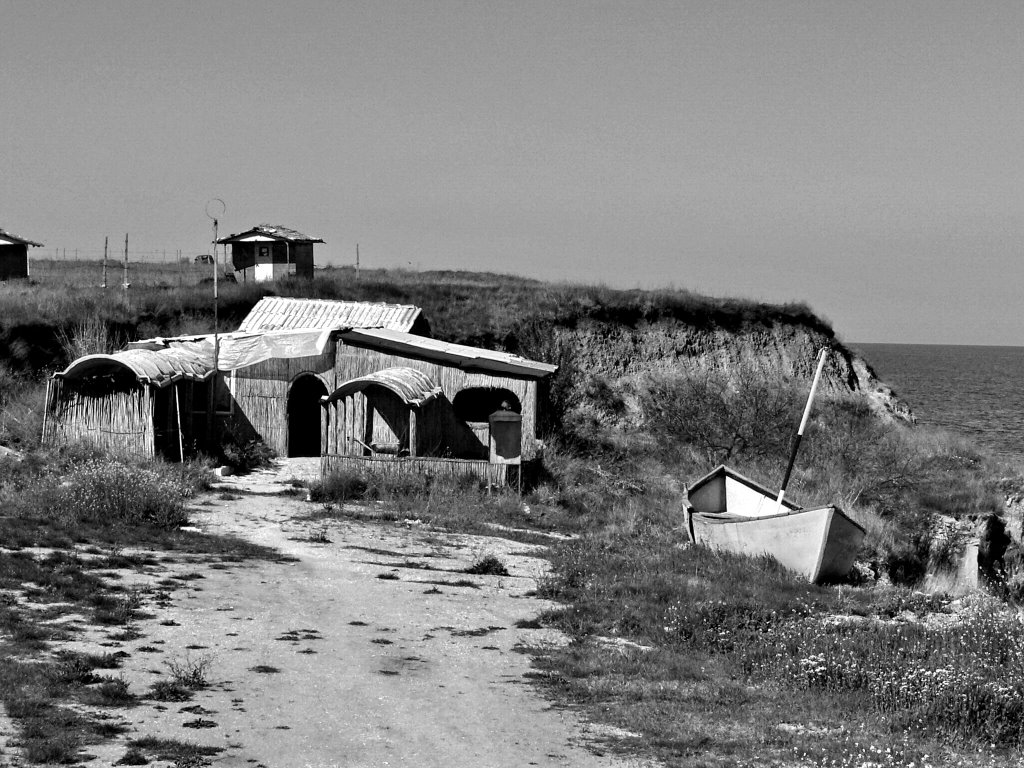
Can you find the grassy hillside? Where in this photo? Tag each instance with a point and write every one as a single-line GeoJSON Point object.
{"type": "Point", "coordinates": [474, 308]}
{"type": "Point", "coordinates": [62, 312]}
{"type": "Point", "coordinates": [675, 422]}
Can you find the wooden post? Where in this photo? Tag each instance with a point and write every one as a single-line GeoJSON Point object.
{"type": "Point", "coordinates": [412, 432]}
{"type": "Point", "coordinates": [124, 282]}
{"type": "Point", "coordinates": [46, 408]}
{"type": "Point", "coordinates": [177, 409]}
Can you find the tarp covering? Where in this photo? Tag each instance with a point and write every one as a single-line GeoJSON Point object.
{"type": "Point", "coordinates": [240, 350]}
{"type": "Point", "coordinates": [414, 387]}
{"type": "Point", "coordinates": [164, 361]}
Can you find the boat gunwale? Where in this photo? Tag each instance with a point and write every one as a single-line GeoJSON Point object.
{"type": "Point", "coordinates": [732, 517]}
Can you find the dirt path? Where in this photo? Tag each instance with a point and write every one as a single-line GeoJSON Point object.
{"type": "Point", "coordinates": [321, 662]}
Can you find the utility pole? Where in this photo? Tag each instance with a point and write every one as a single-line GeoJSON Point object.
{"type": "Point", "coordinates": [357, 261]}
{"type": "Point", "coordinates": [105, 242]}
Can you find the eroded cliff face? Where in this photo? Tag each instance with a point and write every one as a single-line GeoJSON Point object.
{"type": "Point", "coordinates": [622, 355]}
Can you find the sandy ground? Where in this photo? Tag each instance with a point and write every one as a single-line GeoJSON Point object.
{"type": "Point", "coordinates": [319, 662]}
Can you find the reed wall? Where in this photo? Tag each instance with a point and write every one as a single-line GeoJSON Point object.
{"type": "Point", "coordinates": [260, 394]}
{"type": "Point", "coordinates": [117, 422]}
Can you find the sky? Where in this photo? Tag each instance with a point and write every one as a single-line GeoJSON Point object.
{"type": "Point", "coordinates": [865, 158]}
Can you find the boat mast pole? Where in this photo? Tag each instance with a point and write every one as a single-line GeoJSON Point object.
{"type": "Point", "coordinates": [800, 432]}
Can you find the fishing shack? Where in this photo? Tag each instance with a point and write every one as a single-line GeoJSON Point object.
{"type": "Point", "coordinates": [376, 398]}
{"type": "Point", "coordinates": [404, 403]}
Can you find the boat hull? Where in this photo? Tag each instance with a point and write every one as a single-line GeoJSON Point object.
{"type": "Point", "coordinates": [819, 544]}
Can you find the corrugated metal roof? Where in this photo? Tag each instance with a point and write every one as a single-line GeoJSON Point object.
{"type": "Point", "coordinates": [274, 313]}
{"type": "Point", "coordinates": [15, 240]}
{"type": "Point", "coordinates": [273, 231]}
{"type": "Point", "coordinates": [457, 354]}
{"type": "Point", "coordinates": [414, 387]}
{"type": "Point", "coordinates": [160, 367]}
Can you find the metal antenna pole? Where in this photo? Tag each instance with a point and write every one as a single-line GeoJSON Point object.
{"type": "Point", "coordinates": [211, 208]}
{"type": "Point", "coordinates": [216, 319]}
{"type": "Point", "coordinates": [215, 271]}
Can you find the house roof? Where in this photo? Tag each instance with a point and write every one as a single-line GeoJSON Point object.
{"type": "Point", "coordinates": [414, 387]}
{"type": "Point", "coordinates": [470, 358]}
{"type": "Point", "coordinates": [159, 367]}
{"type": "Point", "coordinates": [6, 238]}
{"type": "Point", "coordinates": [270, 232]}
{"type": "Point", "coordinates": [274, 313]}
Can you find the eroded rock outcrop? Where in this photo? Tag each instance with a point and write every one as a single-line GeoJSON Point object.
{"type": "Point", "coordinates": [623, 354]}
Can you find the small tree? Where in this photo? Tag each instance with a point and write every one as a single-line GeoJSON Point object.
{"type": "Point", "coordinates": [725, 413]}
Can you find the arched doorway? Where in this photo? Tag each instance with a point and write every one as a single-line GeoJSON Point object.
{"type": "Point", "coordinates": [304, 413]}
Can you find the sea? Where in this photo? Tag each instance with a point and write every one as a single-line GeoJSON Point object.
{"type": "Point", "coordinates": [976, 391]}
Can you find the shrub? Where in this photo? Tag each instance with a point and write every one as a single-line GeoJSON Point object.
{"type": "Point", "coordinates": [724, 413]}
{"type": "Point", "coordinates": [91, 335]}
{"type": "Point", "coordinates": [488, 565]}
{"type": "Point", "coordinates": [21, 409]}
{"type": "Point", "coordinates": [112, 691]}
{"type": "Point", "coordinates": [190, 673]}
{"type": "Point", "coordinates": [339, 486]}
{"type": "Point", "coordinates": [112, 493]}
{"type": "Point", "coordinates": [245, 455]}
{"type": "Point", "coordinates": [133, 757]}
{"type": "Point", "coordinates": [169, 690]}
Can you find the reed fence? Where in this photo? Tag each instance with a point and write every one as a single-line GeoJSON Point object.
{"type": "Point", "coordinates": [491, 474]}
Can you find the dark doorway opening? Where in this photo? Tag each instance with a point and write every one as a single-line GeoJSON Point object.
{"type": "Point", "coordinates": [304, 414]}
{"type": "Point", "coordinates": [478, 403]}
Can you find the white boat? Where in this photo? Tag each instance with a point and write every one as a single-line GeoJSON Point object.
{"type": "Point", "coordinates": [725, 510]}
